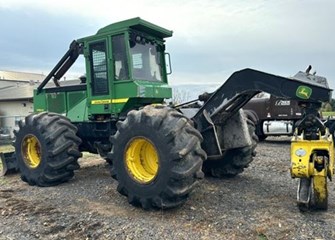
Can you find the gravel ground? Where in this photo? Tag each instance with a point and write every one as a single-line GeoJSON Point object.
{"type": "Point", "coordinates": [258, 204]}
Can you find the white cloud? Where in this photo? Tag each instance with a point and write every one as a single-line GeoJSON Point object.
{"type": "Point", "coordinates": [191, 18]}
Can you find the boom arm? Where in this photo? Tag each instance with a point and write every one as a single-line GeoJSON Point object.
{"type": "Point", "coordinates": [63, 65]}
{"type": "Point", "coordinates": [242, 85]}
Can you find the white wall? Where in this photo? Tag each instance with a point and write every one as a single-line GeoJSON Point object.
{"type": "Point", "coordinates": [12, 111]}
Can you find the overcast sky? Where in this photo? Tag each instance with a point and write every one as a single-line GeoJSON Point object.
{"type": "Point", "coordinates": [211, 40]}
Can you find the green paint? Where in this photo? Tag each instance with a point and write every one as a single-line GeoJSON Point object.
{"type": "Point", "coordinates": [56, 102]}
{"type": "Point", "coordinates": [152, 29]}
{"type": "Point", "coordinates": [304, 92]}
{"type": "Point", "coordinates": [134, 46]}
{"type": "Point", "coordinates": [40, 104]}
{"type": "Point", "coordinates": [78, 112]}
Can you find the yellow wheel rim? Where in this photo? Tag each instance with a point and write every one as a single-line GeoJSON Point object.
{"type": "Point", "coordinates": [142, 161]}
{"type": "Point", "coordinates": [31, 151]}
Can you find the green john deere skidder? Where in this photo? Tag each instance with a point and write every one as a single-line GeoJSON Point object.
{"type": "Point", "coordinates": [156, 152]}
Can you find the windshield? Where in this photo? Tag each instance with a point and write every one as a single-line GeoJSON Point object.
{"type": "Point", "coordinates": [145, 60]}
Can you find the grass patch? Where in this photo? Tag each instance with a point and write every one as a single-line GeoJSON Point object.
{"type": "Point", "coordinates": [262, 236]}
{"type": "Point", "coordinates": [328, 114]}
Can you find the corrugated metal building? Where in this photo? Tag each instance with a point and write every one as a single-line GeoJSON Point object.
{"type": "Point", "coordinates": [16, 95]}
{"type": "Point", "coordinates": [21, 76]}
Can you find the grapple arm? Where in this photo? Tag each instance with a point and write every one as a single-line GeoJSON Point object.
{"type": "Point", "coordinates": [242, 85]}
{"type": "Point", "coordinates": [63, 65]}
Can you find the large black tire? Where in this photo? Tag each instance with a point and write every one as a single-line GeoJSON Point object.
{"type": "Point", "coordinates": [252, 115]}
{"type": "Point", "coordinates": [261, 137]}
{"type": "Point", "coordinates": [168, 151]}
{"type": "Point", "coordinates": [235, 160]}
{"type": "Point", "coordinates": [103, 150]}
{"type": "Point", "coordinates": [46, 148]}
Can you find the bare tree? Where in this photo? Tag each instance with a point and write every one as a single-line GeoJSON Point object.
{"type": "Point", "coordinates": [180, 96]}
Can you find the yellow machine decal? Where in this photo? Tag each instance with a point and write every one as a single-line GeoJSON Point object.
{"type": "Point", "coordinates": [120, 100]}
{"type": "Point", "coordinates": [108, 101]}
{"type": "Point", "coordinates": [101, 101]}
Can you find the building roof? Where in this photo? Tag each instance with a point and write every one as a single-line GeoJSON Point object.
{"type": "Point", "coordinates": [26, 91]}
{"type": "Point", "coordinates": [21, 76]}
{"type": "Point", "coordinates": [18, 92]}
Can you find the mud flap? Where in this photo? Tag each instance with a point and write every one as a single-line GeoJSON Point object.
{"type": "Point", "coordinates": [9, 163]}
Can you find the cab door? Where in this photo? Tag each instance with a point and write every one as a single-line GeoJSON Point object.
{"type": "Point", "coordinates": [99, 86]}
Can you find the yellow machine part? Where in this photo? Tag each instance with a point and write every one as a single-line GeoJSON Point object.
{"type": "Point", "coordinates": [142, 160]}
{"type": "Point", "coordinates": [302, 160]}
{"type": "Point", "coordinates": [320, 198]}
{"type": "Point", "coordinates": [31, 151]}
{"type": "Point", "coordinates": [312, 160]}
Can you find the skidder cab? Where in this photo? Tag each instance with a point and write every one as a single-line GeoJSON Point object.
{"type": "Point", "coordinates": [125, 66]}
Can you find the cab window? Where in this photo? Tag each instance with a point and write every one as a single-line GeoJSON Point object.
{"type": "Point", "coordinates": [99, 69]}
{"type": "Point", "coordinates": [146, 59]}
{"type": "Point", "coordinates": [121, 71]}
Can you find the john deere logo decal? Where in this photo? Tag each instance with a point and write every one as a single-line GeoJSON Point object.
{"type": "Point", "coordinates": [304, 92]}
